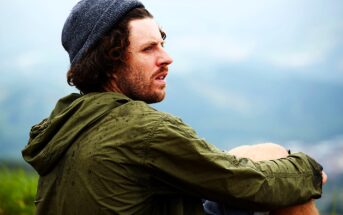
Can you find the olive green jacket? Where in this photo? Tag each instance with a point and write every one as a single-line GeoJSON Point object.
{"type": "Point", "coordinates": [103, 153]}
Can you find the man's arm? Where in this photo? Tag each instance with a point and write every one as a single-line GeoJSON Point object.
{"type": "Point", "coordinates": [270, 151]}
{"type": "Point", "coordinates": [180, 158]}
{"type": "Point", "coordinates": [264, 151]}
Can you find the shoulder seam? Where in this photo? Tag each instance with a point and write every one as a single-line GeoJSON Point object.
{"type": "Point", "coordinates": [150, 136]}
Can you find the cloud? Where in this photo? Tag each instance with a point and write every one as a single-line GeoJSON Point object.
{"type": "Point", "coordinates": [295, 59]}
{"type": "Point", "coordinates": [26, 63]}
{"type": "Point", "coordinates": [3, 94]}
{"type": "Point", "coordinates": [31, 62]}
{"type": "Point", "coordinates": [284, 34]}
{"type": "Point", "coordinates": [29, 59]}
{"type": "Point", "coordinates": [206, 50]}
{"type": "Point", "coordinates": [215, 46]}
{"type": "Point", "coordinates": [222, 98]}
{"type": "Point", "coordinates": [311, 47]}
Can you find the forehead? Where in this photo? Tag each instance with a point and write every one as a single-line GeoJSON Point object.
{"type": "Point", "coordinates": [144, 30]}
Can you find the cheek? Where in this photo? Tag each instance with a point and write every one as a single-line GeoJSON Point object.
{"type": "Point", "coordinates": [145, 70]}
{"type": "Point", "coordinates": [143, 66]}
{"type": "Point", "coordinates": [146, 62]}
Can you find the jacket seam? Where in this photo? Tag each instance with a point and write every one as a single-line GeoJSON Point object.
{"type": "Point", "coordinates": [151, 134]}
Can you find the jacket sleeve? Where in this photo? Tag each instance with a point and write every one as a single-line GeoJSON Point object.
{"type": "Point", "coordinates": [179, 158]}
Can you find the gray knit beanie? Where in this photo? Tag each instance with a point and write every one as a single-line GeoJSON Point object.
{"type": "Point", "coordinates": [89, 21]}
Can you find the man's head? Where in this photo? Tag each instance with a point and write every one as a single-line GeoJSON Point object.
{"type": "Point", "coordinates": [146, 67]}
{"type": "Point", "coordinates": [128, 57]}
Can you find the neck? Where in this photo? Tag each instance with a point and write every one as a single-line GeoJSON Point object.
{"type": "Point", "coordinates": [113, 87]}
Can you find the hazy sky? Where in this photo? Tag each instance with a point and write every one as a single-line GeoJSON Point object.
{"type": "Point", "coordinates": [294, 36]}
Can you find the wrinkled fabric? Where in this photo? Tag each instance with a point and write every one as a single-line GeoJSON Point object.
{"type": "Point", "coordinates": [213, 208]}
{"type": "Point", "coordinates": [103, 153]}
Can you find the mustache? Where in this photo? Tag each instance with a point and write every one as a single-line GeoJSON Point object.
{"type": "Point", "coordinates": [162, 69]}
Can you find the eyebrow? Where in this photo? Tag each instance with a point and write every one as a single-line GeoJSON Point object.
{"type": "Point", "coordinates": [152, 43]}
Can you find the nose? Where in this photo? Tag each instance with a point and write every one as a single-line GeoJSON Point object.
{"type": "Point", "coordinates": [164, 58]}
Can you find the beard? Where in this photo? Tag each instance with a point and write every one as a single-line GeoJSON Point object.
{"type": "Point", "coordinates": [137, 86]}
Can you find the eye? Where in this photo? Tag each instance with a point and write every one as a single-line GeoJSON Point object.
{"type": "Point", "coordinates": [152, 46]}
{"type": "Point", "coordinates": [149, 48]}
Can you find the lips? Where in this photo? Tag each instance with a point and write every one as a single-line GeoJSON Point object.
{"type": "Point", "coordinates": [161, 77]}
{"type": "Point", "coordinates": [161, 74]}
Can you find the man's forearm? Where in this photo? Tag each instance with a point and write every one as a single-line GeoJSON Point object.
{"type": "Point", "coordinates": [270, 151]}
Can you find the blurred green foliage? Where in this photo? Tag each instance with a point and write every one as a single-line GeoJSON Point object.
{"type": "Point", "coordinates": [17, 191]}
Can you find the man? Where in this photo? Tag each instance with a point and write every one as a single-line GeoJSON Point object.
{"type": "Point", "coordinates": [106, 151]}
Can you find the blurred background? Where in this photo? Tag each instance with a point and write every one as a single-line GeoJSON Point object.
{"type": "Point", "coordinates": [244, 72]}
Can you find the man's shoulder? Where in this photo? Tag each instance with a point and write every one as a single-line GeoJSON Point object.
{"type": "Point", "coordinates": [139, 110]}
{"type": "Point", "coordinates": [146, 112]}
{"type": "Point", "coordinates": [144, 109]}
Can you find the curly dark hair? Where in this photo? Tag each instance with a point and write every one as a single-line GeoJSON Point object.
{"type": "Point", "coordinates": [94, 70]}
